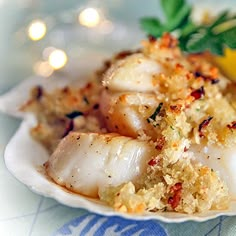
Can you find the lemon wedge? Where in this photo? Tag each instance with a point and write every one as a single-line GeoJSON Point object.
{"type": "Point", "coordinates": [227, 63]}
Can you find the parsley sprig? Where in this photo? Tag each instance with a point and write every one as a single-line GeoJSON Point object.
{"type": "Point", "coordinates": [193, 38]}
{"type": "Point", "coordinates": [74, 114]}
{"type": "Point", "coordinates": [156, 113]}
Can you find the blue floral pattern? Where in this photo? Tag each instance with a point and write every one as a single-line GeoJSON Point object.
{"type": "Point", "coordinates": [95, 225]}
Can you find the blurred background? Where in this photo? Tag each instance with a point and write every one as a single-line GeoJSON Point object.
{"type": "Point", "coordinates": [41, 36]}
{"type": "Point", "coordinates": [32, 30]}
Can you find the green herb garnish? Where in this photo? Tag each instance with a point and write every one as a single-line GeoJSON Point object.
{"type": "Point", "coordinates": [74, 114]}
{"type": "Point", "coordinates": [193, 38]}
{"type": "Point", "coordinates": [86, 100]}
{"type": "Point", "coordinates": [156, 112]}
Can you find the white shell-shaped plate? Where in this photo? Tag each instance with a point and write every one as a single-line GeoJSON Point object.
{"type": "Point", "coordinates": [24, 158]}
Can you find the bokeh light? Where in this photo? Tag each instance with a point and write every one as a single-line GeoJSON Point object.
{"type": "Point", "coordinates": [37, 30]}
{"type": "Point", "coordinates": [106, 27]}
{"type": "Point", "coordinates": [43, 68]}
{"type": "Point", "coordinates": [57, 59]}
{"type": "Point", "coordinates": [47, 51]}
{"type": "Point", "coordinates": [89, 17]}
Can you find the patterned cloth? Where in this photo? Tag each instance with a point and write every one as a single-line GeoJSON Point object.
{"type": "Point", "coordinates": [90, 224]}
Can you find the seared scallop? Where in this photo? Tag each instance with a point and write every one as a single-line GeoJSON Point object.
{"type": "Point", "coordinates": [128, 113]}
{"type": "Point", "coordinates": [134, 73]}
{"type": "Point", "coordinates": [221, 159]}
{"type": "Point", "coordinates": [88, 162]}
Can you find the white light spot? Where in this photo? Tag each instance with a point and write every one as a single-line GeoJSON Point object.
{"type": "Point", "coordinates": [89, 17]}
{"type": "Point", "coordinates": [47, 51]}
{"type": "Point", "coordinates": [57, 59]}
{"type": "Point", "coordinates": [43, 68]}
{"type": "Point", "coordinates": [37, 30]}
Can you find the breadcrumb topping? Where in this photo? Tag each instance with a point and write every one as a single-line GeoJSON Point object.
{"type": "Point", "coordinates": [197, 106]}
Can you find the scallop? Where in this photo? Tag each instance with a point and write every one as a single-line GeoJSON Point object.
{"type": "Point", "coordinates": [128, 113]}
{"type": "Point", "coordinates": [220, 159]}
{"type": "Point", "coordinates": [134, 73]}
{"type": "Point", "coordinates": [88, 162]}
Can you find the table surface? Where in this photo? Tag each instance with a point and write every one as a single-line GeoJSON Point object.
{"type": "Point", "coordinates": [25, 213]}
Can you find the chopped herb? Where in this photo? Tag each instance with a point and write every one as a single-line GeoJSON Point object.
{"type": "Point", "coordinates": [172, 127]}
{"type": "Point", "coordinates": [86, 100]}
{"type": "Point", "coordinates": [179, 133]}
{"type": "Point", "coordinates": [193, 38]}
{"type": "Point", "coordinates": [155, 114]}
{"type": "Point", "coordinates": [198, 109]}
{"type": "Point", "coordinates": [74, 114]}
{"type": "Point", "coordinates": [155, 125]}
